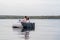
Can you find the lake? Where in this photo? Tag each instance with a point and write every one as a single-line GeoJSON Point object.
{"type": "Point", "coordinates": [45, 29]}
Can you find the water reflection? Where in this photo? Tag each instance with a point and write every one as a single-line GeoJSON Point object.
{"type": "Point", "coordinates": [26, 33]}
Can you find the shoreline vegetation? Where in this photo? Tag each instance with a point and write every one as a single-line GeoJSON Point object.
{"type": "Point", "coordinates": [31, 17]}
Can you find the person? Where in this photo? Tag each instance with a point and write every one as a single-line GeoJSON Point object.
{"type": "Point", "coordinates": [25, 19]}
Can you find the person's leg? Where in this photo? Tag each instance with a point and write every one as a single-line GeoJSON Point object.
{"type": "Point", "coordinates": [27, 34]}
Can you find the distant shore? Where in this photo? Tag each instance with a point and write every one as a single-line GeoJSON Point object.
{"type": "Point", "coordinates": [31, 17]}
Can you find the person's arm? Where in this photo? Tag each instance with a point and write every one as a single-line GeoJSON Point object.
{"type": "Point", "coordinates": [23, 20]}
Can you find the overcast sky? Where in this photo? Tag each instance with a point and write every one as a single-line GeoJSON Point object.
{"type": "Point", "coordinates": [30, 7]}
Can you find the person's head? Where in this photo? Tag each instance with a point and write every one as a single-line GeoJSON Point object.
{"type": "Point", "coordinates": [27, 18]}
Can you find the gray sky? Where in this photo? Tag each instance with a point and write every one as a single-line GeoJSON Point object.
{"type": "Point", "coordinates": [30, 7]}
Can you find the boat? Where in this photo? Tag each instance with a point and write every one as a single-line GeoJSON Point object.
{"type": "Point", "coordinates": [17, 25]}
{"type": "Point", "coordinates": [28, 26]}
{"type": "Point", "coordinates": [25, 26]}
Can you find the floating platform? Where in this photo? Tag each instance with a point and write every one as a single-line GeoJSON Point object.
{"type": "Point", "coordinates": [28, 27]}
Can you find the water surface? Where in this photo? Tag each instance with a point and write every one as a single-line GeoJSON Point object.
{"type": "Point", "coordinates": [45, 29]}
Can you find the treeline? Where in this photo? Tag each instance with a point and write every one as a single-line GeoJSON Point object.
{"type": "Point", "coordinates": [32, 17]}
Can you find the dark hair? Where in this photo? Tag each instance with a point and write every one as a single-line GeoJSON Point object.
{"type": "Point", "coordinates": [25, 17]}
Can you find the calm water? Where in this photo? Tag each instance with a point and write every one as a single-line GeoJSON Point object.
{"type": "Point", "coordinates": [46, 29]}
